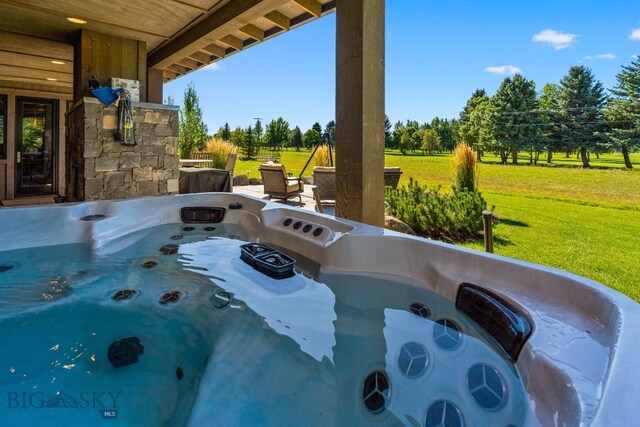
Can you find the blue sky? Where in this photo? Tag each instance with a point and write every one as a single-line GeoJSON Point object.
{"type": "Point", "coordinates": [437, 54]}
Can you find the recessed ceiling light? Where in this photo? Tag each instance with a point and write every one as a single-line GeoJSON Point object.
{"type": "Point", "coordinates": [77, 20]}
{"type": "Point", "coordinates": [51, 79]}
{"type": "Point", "coordinates": [57, 62]}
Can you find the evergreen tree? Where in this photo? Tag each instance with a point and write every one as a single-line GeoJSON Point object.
{"type": "Point", "coordinates": [388, 135]}
{"type": "Point", "coordinates": [224, 132]}
{"type": "Point", "coordinates": [258, 131]}
{"type": "Point", "coordinates": [296, 138]}
{"type": "Point", "coordinates": [473, 126]}
{"type": "Point", "coordinates": [249, 143]}
{"type": "Point", "coordinates": [330, 128]}
{"type": "Point", "coordinates": [550, 120]}
{"type": "Point", "coordinates": [193, 131]}
{"type": "Point", "coordinates": [623, 111]}
{"type": "Point", "coordinates": [169, 101]}
{"type": "Point", "coordinates": [580, 101]}
{"type": "Point", "coordinates": [316, 126]}
{"type": "Point", "coordinates": [514, 120]}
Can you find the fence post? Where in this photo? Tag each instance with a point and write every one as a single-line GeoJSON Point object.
{"type": "Point", "coordinates": [487, 217]}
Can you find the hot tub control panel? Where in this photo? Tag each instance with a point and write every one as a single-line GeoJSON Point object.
{"type": "Point", "coordinates": [312, 230]}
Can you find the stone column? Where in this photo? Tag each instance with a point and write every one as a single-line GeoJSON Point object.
{"type": "Point", "coordinates": [101, 168]}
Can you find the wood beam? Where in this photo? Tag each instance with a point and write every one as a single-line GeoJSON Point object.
{"type": "Point", "coordinates": [311, 6]}
{"type": "Point", "coordinates": [189, 63]}
{"type": "Point", "coordinates": [228, 18]}
{"type": "Point", "coordinates": [168, 72]}
{"type": "Point", "coordinates": [233, 42]}
{"type": "Point", "coordinates": [200, 57]}
{"type": "Point", "coordinates": [360, 111]}
{"type": "Point", "coordinates": [178, 69]}
{"type": "Point", "coordinates": [39, 76]}
{"type": "Point", "coordinates": [279, 19]}
{"type": "Point", "coordinates": [19, 43]}
{"type": "Point", "coordinates": [31, 61]}
{"type": "Point", "coordinates": [155, 78]}
{"type": "Point", "coordinates": [253, 31]}
{"type": "Point", "coordinates": [33, 80]}
{"type": "Point", "coordinates": [216, 50]}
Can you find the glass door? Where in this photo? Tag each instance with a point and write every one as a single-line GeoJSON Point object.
{"type": "Point", "coordinates": [36, 144]}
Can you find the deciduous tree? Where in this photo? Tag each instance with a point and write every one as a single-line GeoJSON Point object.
{"type": "Point", "coordinates": [430, 140]}
{"type": "Point", "coordinates": [277, 133]}
{"type": "Point", "coordinates": [311, 138]}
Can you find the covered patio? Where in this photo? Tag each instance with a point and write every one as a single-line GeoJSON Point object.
{"type": "Point", "coordinates": [49, 54]}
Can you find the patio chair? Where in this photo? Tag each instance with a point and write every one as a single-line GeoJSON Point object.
{"type": "Point", "coordinates": [277, 184]}
{"type": "Point", "coordinates": [324, 190]}
{"type": "Point", "coordinates": [230, 166]}
{"type": "Point", "coordinates": [392, 177]}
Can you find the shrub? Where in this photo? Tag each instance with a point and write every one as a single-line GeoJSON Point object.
{"type": "Point", "coordinates": [321, 157]}
{"type": "Point", "coordinates": [220, 150]}
{"type": "Point", "coordinates": [452, 217]}
{"type": "Point", "coordinates": [464, 166]}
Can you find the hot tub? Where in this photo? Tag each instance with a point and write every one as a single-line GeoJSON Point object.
{"type": "Point", "coordinates": [220, 309]}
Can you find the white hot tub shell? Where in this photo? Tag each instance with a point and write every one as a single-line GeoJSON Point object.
{"type": "Point", "coordinates": [579, 366]}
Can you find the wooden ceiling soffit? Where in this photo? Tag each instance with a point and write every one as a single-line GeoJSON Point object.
{"type": "Point", "coordinates": [35, 62]}
{"type": "Point", "coordinates": [279, 19]}
{"type": "Point", "coordinates": [253, 31]}
{"type": "Point", "coordinates": [215, 50]}
{"type": "Point", "coordinates": [233, 42]}
{"type": "Point", "coordinates": [189, 63]}
{"type": "Point", "coordinates": [201, 57]}
{"type": "Point", "coordinates": [311, 6]}
{"type": "Point", "coordinates": [36, 76]}
{"type": "Point", "coordinates": [178, 69]}
{"type": "Point", "coordinates": [232, 16]}
{"type": "Point", "coordinates": [169, 73]}
{"type": "Point", "coordinates": [12, 42]}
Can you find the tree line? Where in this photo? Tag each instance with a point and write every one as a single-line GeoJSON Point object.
{"type": "Point", "coordinates": [275, 136]}
{"type": "Point", "coordinates": [575, 115]}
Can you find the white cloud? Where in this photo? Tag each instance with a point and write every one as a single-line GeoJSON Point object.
{"type": "Point", "coordinates": [601, 56]}
{"type": "Point", "coordinates": [503, 70]}
{"type": "Point", "coordinates": [635, 56]}
{"type": "Point", "coordinates": [555, 38]}
{"type": "Point", "coordinates": [212, 67]}
{"type": "Point", "coordinates": [635, 34]}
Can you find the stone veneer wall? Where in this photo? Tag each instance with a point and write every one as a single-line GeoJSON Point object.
{"type": "Point", "coordinates": [100, 168]}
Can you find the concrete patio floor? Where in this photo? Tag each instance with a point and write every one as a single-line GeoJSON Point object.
{"type": "Point", "coordinates": [308, 202]}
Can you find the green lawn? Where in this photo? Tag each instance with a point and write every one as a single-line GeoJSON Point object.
{"type": "Point", "coordinates": [583, 221]}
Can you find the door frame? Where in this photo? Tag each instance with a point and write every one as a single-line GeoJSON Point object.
{"type": "Point", "coordinates": [55, 143]}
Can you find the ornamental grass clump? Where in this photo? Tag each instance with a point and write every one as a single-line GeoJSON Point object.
{"type": "Point", "coordinates": [321, 157]}
{"type": "Point", "coordinates": [430, 212]}
{"type": "Point", "coordinates": [220, 150]}
{"type": "Point", "coordinates": [465, 167]}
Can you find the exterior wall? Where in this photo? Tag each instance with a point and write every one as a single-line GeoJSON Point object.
{"type": "Point", "coordinates": [8, 164]}
{"type": "Point", "coordinates": [101, 168]}
{"type": "Point", "coordinates": [106, 56]}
